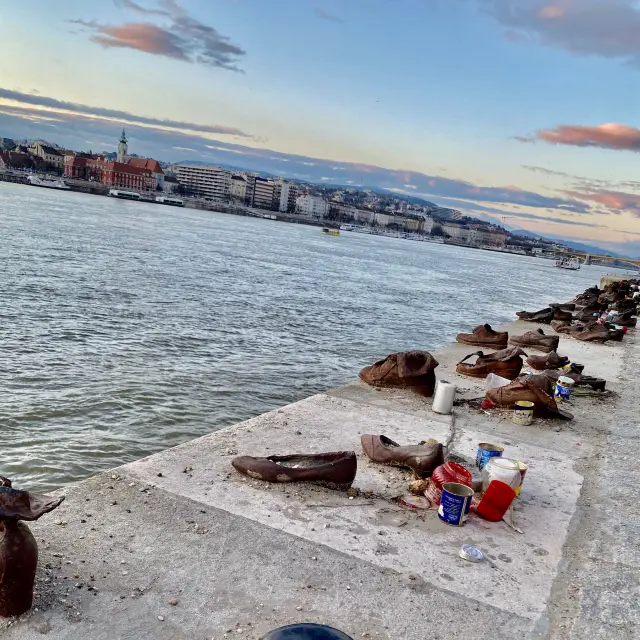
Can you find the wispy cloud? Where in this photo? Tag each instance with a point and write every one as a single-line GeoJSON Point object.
{"type": "Point", "coordinates": [38, 103]}
{"type": "Point", "coordinates": [613, 201]}
{"type": "Point", "coordinates": [619, 137]}
{"type": "Point", "coordinates": [323, 15]}
{"type": "Point", "coordinates": [181, 37]}
{"type": "Point", "coordinates": [604, 28]}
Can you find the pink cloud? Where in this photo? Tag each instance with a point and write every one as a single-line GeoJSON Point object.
{"type": "Point", "coordinates": [606, 136]}
{"type": "Point", "coordinates": [616, 201]}
{"type": "Point", "coordinates": [140, 36]}
{"type": "Point", "coordinates": [551, 12]}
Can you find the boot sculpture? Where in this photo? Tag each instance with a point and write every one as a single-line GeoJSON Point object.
{"type": "Point", "coordinates": [18, 548]}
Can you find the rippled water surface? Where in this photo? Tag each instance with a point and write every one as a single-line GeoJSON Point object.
{"type": "Point", "coordinates": [126, 328]}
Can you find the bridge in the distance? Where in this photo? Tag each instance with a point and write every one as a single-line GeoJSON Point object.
{"type": "Point", "coordinates": [587, 258]}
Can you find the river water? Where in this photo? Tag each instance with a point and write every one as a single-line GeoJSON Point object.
{"type": "Point", "coordinates": [126, 328]}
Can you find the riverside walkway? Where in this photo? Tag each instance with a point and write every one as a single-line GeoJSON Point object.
{"type": "Point", "coordinates": [179, 546]}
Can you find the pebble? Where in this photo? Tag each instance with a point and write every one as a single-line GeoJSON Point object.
{"type": "Point", "coordinates": [160, 474]}
{"type": "Point", "coordinates": [132, 484]}
{"type": "Point", "coordinates": [173, 603]}
{"type": "Point", "coordinates": [161, 618]}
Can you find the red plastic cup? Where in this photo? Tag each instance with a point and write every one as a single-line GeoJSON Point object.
{"type": "Point", "coordinates": [495, 501]}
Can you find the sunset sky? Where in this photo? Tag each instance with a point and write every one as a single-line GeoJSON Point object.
{"type": "Point", "coordinates": [521, 111]}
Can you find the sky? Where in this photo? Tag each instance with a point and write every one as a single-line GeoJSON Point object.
{"type": "Point", "coordinates": [522, 112]}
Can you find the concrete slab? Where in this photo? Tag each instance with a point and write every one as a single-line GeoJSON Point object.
{"type": "Point", "coordinates": [374, 528]}
{"type": "Point", "coordinates": [162, 567]}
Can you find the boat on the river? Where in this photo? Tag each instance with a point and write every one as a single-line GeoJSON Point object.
{"type": "Point", "coordinates": [127, 195]}
{"type": "Point", "coordinates": [347, 227]}
{"type": "Point", "coordinates": [328, 231]}
{"type": "Point", "coordinates": [172, 202]}
{"type": "Point", "coordinates": [47, 184]}
{"type": "Point", "coordinates": [573, 264]}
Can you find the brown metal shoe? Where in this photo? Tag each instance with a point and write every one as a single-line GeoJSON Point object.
{"type": "Point", "coordinates": [538, 340]}
{"type": "Point", "coordinates": [562, 315]}
{"type": "Point", "coordinates": [594, 332]}
{"type": "Point", "coordinates": [421, 458]}
{"type": "Point", "coordinates": [484, 336]}
{"type": "Point", "coordinates": [565, 327]}
{"type": "Point", "coordinates": [544, 315]}
{"type": "Point", "coordinates": [506, 363]}
{"type": "Point", "coordinates": [549, 361]}
{"type": "Point", "coordinates": [335, 470]}
{"type": "Point", "coordinates": [406, 370]}
{"type": "Point", "coordinates": [532, 389]}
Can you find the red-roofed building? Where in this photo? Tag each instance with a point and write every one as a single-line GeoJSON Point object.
{"type": "Point", "coordinates": [117, 175]}
{"type": "Point", "coordinates": [144, 174]}
{"type": "Point", "coordinates": [150, 165]}
{"type": "Point", "coordinates": [15, 160]}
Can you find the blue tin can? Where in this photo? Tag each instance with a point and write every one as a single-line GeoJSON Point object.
{"type": "Point", "coordinates": [486, 451]}
{"type": "Point", "coordinates": [563, 389]}
{"type": "Point", "coordinates": [455, 503]}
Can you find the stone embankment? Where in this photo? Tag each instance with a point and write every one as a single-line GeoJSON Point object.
{"type": "Point", "coordinates": [179, 545]}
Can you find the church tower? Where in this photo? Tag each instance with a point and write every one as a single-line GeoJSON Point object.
{"type": "Point", "coordinates": [122, 148]}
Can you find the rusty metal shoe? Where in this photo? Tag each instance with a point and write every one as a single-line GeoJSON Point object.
{"type": "Point", "coordinates": [421, 458]}
{"type": "Point", "coordinates": [335, 470]}
{"type": "Point", "coordinates": [549, 361]}
{"type": "Point", "coordinates": [405, 370]}
{"type": "Point", "coordinates": [18, 547]}
{"type": "Point", "coordinates": [594, 332]}
{"type": "Point", "coordinates": [565, 327]}
{"type": "Point", "coordinates": [532, 389]}
{"type": "Point", "coordinates": [544, 315]}
{"type": "Point", "coordinates": [565, 306]}
{"type": "Point", "coordinates": [22, 505]}
{"type": "Point", "coordinates": [484, 336]}
{"type": "Point", "coordinates": [589, 314]}
{"type": "Point", "coordinates": [562, 315]}
{"type": "Point", "coordinates": [506, 363]}
{"type": "Point", "coordinates": [538, 340]}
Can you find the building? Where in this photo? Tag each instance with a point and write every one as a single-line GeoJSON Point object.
{"type": "Point", "coordinates": [477, 236]}
{"type": "Point", "coordinates": [383, 219]}
{"type": "Point", "coordinates": [119, 175]}
{"type": "Point", "coordinates": [207, 182]}
{"type": "Point", "coordinates": [15, 160]}
{"type": "Point", "coordinates": [266, 194]}
{"type": "Point", "coordinates": [150, 165]}
{"type": "Point", "coordinates": [498, 238]}
{"type": "Point", "coordinates": [170, 184]}
{"type": "Point", "coordinates": [312, 206]}
{"type": "Point", "coordinates": [455, 231]}
{"type": "Point", "coordinates": [428, 223]}
{"type": "Point", "coordinates": [288, 195]}
{"type": "Point", "coordinates": [122, 156]}
{"type": "Point", "coordinates": [48, 154]}
{"type": "Point", "coordinates": [238, 188]}
{"type": "Point", "coordinates": [123, 175]}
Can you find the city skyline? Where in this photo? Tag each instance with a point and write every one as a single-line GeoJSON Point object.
{"type": "Point", "coordinates": [487, 106]}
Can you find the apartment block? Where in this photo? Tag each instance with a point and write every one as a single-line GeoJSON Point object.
{"type": "Point", "coordinates": [204, 181]}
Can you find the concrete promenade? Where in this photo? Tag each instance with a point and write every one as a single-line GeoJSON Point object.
{"type": "Point", "coordinates": [180, 546]}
